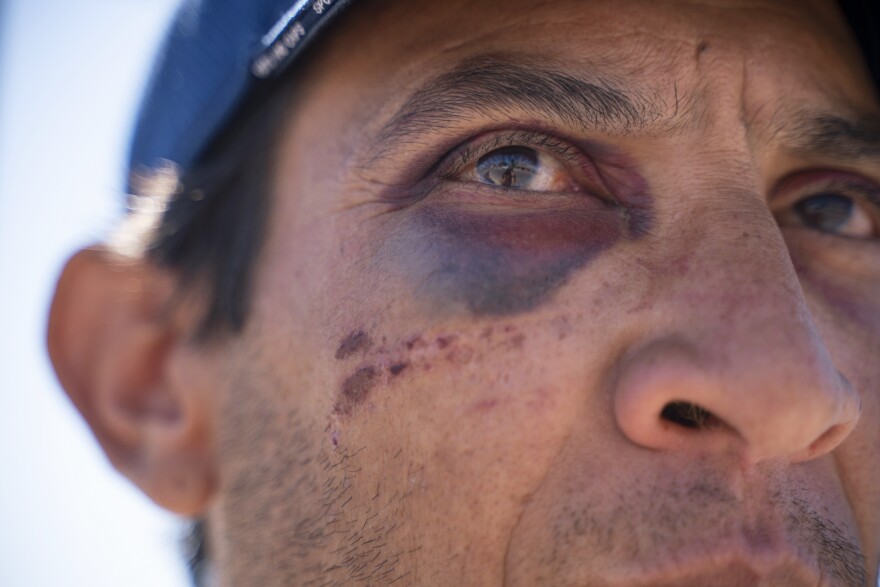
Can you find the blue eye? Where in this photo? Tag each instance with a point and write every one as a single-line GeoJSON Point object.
{"type": "Point", "coordinates": [510, 167]}
{"type": "Point", "coordinates": [836, 213]}
{"type": "Point", "coordinates": [825, 212]}
{"type": "Point", "coordinates": [833, 202]}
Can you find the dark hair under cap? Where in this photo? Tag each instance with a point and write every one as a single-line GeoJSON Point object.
{"type": "Point", "coordinates": [864, 20]}
{"type": "Point", "coordinates": [220, 53]}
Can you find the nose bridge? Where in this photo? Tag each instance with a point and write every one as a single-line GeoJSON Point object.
{"type": "Point", "coordinates": [730, 336]}
{"type": "Point", "coordinates": [742, 286]}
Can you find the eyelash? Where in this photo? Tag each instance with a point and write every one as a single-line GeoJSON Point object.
{"type": "Point", "coordinates": [463, 156]}
{"type": "Point", "coordinates": [857, 190]}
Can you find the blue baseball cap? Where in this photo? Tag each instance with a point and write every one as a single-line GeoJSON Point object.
{"type": "Point", "coordinates": [217, 53]}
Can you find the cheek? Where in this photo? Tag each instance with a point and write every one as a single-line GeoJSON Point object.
{"type": "Point", "coordinates": [503, 263]}
{"type": "Point", "coordinates": [477, 416]}
{"type": "Point", "coordinates": [842, 288]}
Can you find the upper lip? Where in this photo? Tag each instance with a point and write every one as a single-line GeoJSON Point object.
{"type": "Point", "coordinates": [712, 523]}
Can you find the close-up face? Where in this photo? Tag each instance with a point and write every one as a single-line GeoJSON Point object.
{"type": "Point", "coordinates": [571, 293]}
{"type": "Point", "coordinates": [580, 293]}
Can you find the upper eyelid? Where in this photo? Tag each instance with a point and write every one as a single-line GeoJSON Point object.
{"type": "Point", "coordinates": [813, 181]}
{"type": "Point", "coordinates": [871, 195]}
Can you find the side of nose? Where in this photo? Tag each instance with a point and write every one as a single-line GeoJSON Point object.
{"type": "Point", "coordinates": [729, 359]}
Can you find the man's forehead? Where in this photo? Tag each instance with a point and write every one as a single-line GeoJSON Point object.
{"type": "Point", "coordinates": [621, 29]}
{"type": "Point", "coordinates": [210, 72]}
{"type": "Point", "coordinates": [603, 67]}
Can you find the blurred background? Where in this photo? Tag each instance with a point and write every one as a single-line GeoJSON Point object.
{"type": "Point", "coordinates": [70, 78]}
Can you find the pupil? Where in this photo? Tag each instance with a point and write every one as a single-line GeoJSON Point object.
{"type": "Point", "coordinates": [826, 212]}
{"type": "Point", "coordinates": [512, 167]}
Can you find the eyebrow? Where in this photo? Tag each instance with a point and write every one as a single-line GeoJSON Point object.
{"type": "Point", "coordinates": [838, 137]}
{"type": "Point", "coordinates": [494, 85]}
{"type": "Point", "coordinates": [490, 85]}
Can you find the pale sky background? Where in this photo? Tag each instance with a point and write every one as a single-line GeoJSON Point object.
{"type": "Point", "coordinates": [71, 73]}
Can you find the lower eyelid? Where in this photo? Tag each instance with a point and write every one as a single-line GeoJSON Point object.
{"type": "Point", "coordinates": [486, 196]}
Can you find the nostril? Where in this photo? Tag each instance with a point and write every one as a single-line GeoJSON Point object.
{"type": "Point", "coordinates": [689, 415]}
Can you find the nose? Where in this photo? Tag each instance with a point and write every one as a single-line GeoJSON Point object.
{"type": "Point", "coordinates": [728, 356]}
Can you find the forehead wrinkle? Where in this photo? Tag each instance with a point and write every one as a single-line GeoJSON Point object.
{"type": "Point", "coordinates": [823, 124]}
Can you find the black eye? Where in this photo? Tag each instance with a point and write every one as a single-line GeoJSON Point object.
{"type": "Point", "coordinates": [510, 167]}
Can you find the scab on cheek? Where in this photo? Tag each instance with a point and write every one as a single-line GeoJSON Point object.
{"type": "Point", "coordinates": [419, 353]}
{"type": "Point", "coordinates": [355, 389]}
{"type": "Point", "coordinates": [356, 342]}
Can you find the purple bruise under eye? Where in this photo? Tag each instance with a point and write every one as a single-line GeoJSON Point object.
{"type": "Point", "coordinates": [510, 262]}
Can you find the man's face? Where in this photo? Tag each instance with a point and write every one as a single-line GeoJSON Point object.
{"type": "Point", "coordinates": [564, 293]}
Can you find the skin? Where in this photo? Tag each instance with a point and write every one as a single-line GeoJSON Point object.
{"type": "Point", "coordinates": [445, 383]}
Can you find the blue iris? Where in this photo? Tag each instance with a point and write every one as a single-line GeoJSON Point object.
{"type": "Point", "coordinates": [510, 167]}
{"type": "Point", "coordinates": [825, 212]}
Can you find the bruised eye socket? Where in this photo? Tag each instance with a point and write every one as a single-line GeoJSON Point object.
{"type": "Point", "coordinates": [845, 206]}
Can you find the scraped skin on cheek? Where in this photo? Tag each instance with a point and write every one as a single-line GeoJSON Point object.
{"type": "Point", "coordinates": [356, 342]}
{"type": "Point", "coordinates": [427, 389]}
{"type": "Point", "coordinates": [418, 354]}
